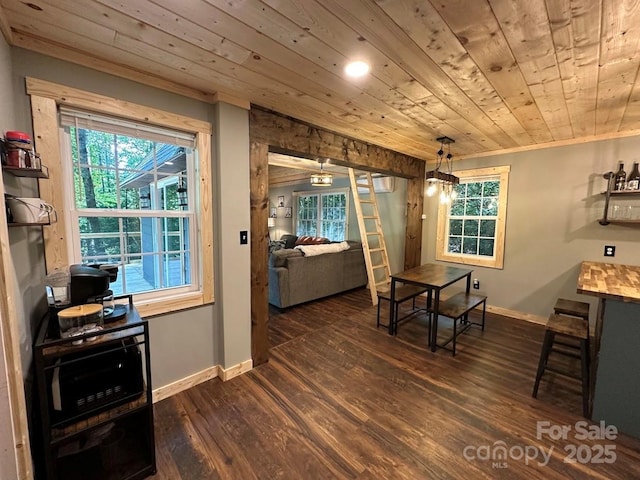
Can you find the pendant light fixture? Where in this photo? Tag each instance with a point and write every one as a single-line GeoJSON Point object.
{"type": "Point", "coordinates": [321, 179]}
{"type": "Point", "coordinates": [437, 180]}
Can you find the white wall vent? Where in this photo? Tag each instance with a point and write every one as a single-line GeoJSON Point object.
{"type": "Point", "coordinates": [381, 184]}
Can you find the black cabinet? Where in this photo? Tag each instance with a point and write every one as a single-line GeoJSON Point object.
{"type": "Point", "coordinates": [95, 402]}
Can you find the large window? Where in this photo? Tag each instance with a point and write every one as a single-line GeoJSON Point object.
{"type": "Point", "coordinates": [322, 214]}
{"type": "Point", "coordinates": [471, 227]}
{"type": "Point", "coordinates": [132, 187]}
{"type": "Point", "coordinates": [129, 197]}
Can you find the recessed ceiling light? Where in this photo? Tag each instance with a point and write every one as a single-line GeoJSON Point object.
{"type": "Point", "coordinates": [356, 69]}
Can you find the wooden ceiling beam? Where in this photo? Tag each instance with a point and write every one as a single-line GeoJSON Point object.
{"type": "Point", "coordinates": [294, 136]}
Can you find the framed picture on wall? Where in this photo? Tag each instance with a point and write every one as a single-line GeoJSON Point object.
{"type": "Point", "coordinates": [281, 200]}
{"type": "Point", "coordinates": [273, 213]}
{"type": "Point", "coordinates": [287, 212]}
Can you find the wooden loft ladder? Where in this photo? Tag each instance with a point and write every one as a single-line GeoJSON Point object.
{"type": "Point", "coordinates": [373, 244]}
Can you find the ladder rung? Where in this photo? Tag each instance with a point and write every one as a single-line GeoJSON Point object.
{"type": "Point", "coordinates": [364, 185]}
{"type": "Point", "coordinates": [384, 282]}
{"type": "Point", "coordinates": [370, 217]}
{"type": "Point", "coordinates": [366, 201]}
{"type": "Point", "coordinates": [382, 265]}
{"type": "Point", "coordinates": [373, 233]}
{"type": "Point", "coordinates": [376, 249]}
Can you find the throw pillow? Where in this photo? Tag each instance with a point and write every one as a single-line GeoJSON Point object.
{"type": "Point", "coordinates": [307, 240]}
{"type": "Point", "coordinates": [289, 240]}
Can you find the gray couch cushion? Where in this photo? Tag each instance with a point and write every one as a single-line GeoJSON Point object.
{"type": "Point", "coordinates": [278, 258]}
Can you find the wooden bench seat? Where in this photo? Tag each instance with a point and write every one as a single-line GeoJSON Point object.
{"type": "Point", "coordinates": [457, 307]}
{"type": "Point", "coordinates": [403, 293]}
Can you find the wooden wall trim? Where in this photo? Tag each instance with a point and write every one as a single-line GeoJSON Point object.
{"type": "Point", "coordinates": [259, 202]}
{"type": "Point", "coordinates": [202, 376]}
{"type": "Point", "coordinates": [11, 345]}
{"type": "Point", "coordinates": [44, 113]}
{"type": "Point", "coordinates": [185, 383]}
{"type": "Point", "coordinates": [74, 97]}
{"type": "Point", "coordinates": [270, 131]}
{"type": "Point", "coordinates": [413, 230]}
{"type": "Point", "coordinates": [232, 372]}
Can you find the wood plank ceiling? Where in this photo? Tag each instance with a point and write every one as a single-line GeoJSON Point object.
{"type": "Point", "coordinates": [492, 74]}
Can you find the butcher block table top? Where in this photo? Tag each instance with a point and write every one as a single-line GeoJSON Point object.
{"type": "Point", "coordinates": [610, 280]}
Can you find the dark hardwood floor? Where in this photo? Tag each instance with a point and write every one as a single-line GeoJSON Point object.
{"type": "Point", "coordinates": [342, 399]}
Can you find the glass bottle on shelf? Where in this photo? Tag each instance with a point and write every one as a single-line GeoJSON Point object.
{"type": "Point", "coordinates": [620, 178]}
{"type": "Point", "coordinates": [633, 181]}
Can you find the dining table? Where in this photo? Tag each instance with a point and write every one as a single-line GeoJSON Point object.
{"type": "Point", "coordinates": [434, 277]}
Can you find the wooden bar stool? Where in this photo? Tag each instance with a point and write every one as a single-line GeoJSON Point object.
{"type": "Point", "coordinates": [571, 327]}
{"type": "Point", "coordinates": [572, 308]}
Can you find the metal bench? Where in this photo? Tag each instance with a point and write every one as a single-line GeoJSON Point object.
{"type": "Point", "coordinates": [403, 293]}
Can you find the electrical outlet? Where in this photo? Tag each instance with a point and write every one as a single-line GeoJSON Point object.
{"type": "Point", "coordinates": [476, 283]}
{"type": "Point", "coordinates": [609, 250]}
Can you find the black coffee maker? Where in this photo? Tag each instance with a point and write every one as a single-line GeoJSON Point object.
{"type": "Point", "coordinates": [84, 284]}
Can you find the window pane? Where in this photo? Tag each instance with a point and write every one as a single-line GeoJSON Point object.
{"type": "Point", "coordinates": [455, 227]}
{"type": "Point", "coordinates": [461, 190]}
{"type": "Point", "coordinates": [333, 216]}
{"type": "Point", "coordinates": [473, 207]}
{"type": "Point", "coordinates": [470, 246]}
{"type": "Point", "coordinates": [486, 247]}
{"type": "Point", "coordinates": [489, 207]}
{"type": "Point", "coordinates": [102, 240]}
{"type": "Point", "coordinates": [457, 208]}
{"type": "Point", "coordinates": [455, 244]}
{"type": "Point", "coordinates": [99, 237]}
{"type": "Point", "coordinates": [474, 189]}
{"type": "Point", "coordinates": [491, 188]}
{"type": "Point", "coordinates": [95, 187]}
{"type": "Point", "coordinates": [177, 269]}
{"type": "Point", "coordinates": [471, 228]}
{"type": "Point", "coordinates": [488, 228]}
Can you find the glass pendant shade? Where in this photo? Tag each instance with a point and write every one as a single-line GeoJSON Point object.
{"type": "Point", "coordinates": [321, 179]}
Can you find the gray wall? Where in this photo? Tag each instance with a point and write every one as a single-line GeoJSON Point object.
{"type": "Point", "coordinates": [181, 343]}
{"type": "Point", "coordinates": [553, 206]}
{"type": "Point", "coordinates": [8, 467]}
{"type": "Point", "coordinates": [233, 260]}
{"type": "Point", "coordinates": [392, 207]}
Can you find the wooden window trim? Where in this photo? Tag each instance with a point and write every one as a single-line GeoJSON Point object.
{"type": "Point", "coordinates": [497, 262]}
{"type": "Point", "coordinates": [45, 98]}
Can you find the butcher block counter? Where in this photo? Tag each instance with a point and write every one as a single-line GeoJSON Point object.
{"type": "Point", "coordinates": [610, 280]}
{"type": "Point", "coordinates": [616, 362]}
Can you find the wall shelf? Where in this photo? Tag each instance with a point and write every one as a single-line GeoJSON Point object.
{"type": "Point", "coordinates": [609, 194]}
{"type": "Point", "coordinates": [42, 172]}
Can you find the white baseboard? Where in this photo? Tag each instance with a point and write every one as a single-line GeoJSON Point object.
{"type": "Point", "coordinates": [197, 378]}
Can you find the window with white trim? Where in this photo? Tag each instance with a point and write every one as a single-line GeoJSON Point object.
{"type": "Point", "coordinates": [322, 214]}
{"type": "Point", "coordinates": [130, 191]}
{"type": "Point", "coordinates": [471, 228]}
